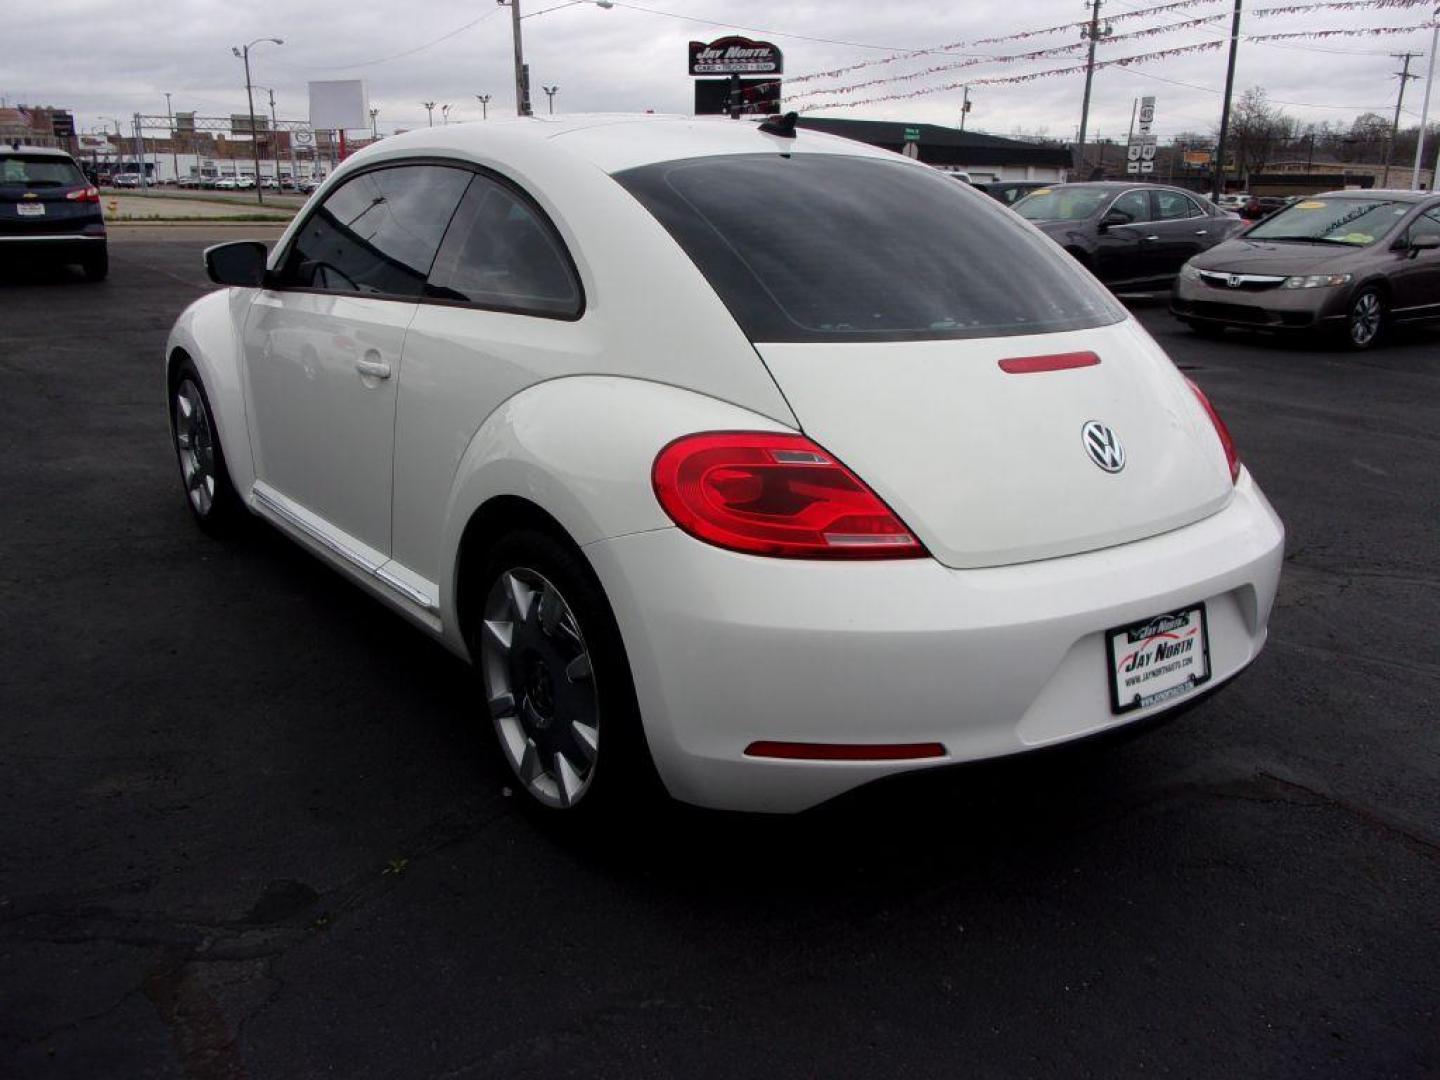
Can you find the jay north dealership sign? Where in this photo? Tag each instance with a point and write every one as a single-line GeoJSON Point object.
{"type": "Point", "coordinates": [735, 56]}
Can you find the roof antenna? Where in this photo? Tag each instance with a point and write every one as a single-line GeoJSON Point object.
{"type": "Point", "coordinates": [783, 126]}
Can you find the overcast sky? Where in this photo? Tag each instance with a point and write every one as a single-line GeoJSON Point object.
{"type": "Point", "coordinates": [101, 58]}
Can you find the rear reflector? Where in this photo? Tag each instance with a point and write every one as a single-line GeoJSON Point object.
{"type": "Point", "coordinates": [1029, 365]}
{"type": "Point", "coordinates": [801, 751]}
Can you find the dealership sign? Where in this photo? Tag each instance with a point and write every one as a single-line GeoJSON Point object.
{"type": "Point", "coordinates": [735, 55]}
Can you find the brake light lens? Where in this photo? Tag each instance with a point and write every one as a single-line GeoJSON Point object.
{"type": "Point", "coordinates": [85, 194]}
{"type": "Point", "coordinates": [777, 495]}
{"type": "Point", "coordinates": [1232, 457]}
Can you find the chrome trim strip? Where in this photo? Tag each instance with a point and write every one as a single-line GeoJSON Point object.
{"type": "Point", "coordinates": [327, 542]}
{"type": "Point", "coordinates": [1245, 279]}
{"type": "Point", "coordinates": [415, 596]}
{"type": "Point", "coordinates": [354, 558]}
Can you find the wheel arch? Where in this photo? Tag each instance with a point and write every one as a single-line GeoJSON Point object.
{"type": "Point", "coordinates": [572, 456]}
{"type": "Point", "coordinates": [207, 333]}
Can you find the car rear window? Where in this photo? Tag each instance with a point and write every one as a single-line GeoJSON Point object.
{"type": "Point", "coordinates": [814, 247]}
{"type": "Point", "coordinates": [38, 171]}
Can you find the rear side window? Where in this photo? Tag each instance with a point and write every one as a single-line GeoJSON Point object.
{"type": "Point", "coordinates": [38, 171]}
{"type": "Point", "coordinates": [1171, 205]}
{"type": "Point", "coordinates": [377, 233]}
{"type": "Point", "coordinates": [501, 253]}
{"type": "Point", "coordinates": [817, 247]}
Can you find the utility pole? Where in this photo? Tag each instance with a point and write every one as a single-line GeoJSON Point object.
{"type": "Point", "coordinates": [1217, 171]}
{"type": "Point", "coordinates": [1425, 109]}
{"type": "Point", "coordinates": [484, 100]}
{"type": "Point", "coordinates": [1094, 32]}
{"type": "Point", "coordinates": [429, 111]}
{"type": "Point", "coordinates": [175, 157]}
{"type": "Point", "coordinates": [964, 106]}
{"type": "Point", "coordinates": [374, 130]}
{"type": "Point", "coordinates": [522, 84]}
{"type": "Point", "coordinates": [1405, 77]}
{"type": "Point", "coordinates": [550, 92]}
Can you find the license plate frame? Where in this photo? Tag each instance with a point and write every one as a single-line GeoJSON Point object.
{"type": "Point", "coordinates": [1154, 636]}
{"type": "Point", "coordinates": [32, 209]}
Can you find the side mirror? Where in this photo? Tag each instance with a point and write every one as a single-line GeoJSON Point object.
{"type": "Point", "coordinates": [239, 263]}
{"type": "Point", "coordinates": [1113, 218]}
{"type": "Point", "coordinates": [1425, 242]}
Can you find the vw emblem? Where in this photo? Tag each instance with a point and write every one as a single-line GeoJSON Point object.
{"type": "Point", "coordinates": [1103, 446]}
{"type": "Point", "coordinates": [1233, 281]}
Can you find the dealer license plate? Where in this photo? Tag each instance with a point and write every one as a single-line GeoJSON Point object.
{"type": "Point", "coordinates": [33, 209]}
{"type": "Point", "coordinates": [1161, 659]}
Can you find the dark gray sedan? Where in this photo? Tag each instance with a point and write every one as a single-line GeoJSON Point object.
{"type": "Point", "coordinates": [1131, 236]}
{"type": "Point", "coordinates": [1351, 261]}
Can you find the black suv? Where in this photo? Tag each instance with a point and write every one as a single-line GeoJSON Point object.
{"type": "Point", "coordinates": [49, 210]}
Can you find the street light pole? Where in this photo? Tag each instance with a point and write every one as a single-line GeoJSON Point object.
{"type": "Point", "coordinates": [374, 130]}
{"type": "Point", "coordinates": [444, 114]}
{"type": "Point", "coordinates": [484, 100]}
{"type": "Point", "coordinates": [550, 92]}
{"type": "Point", "coordinates": [429, 111]}
{"type": "Point", "coordinates": [243, 52]}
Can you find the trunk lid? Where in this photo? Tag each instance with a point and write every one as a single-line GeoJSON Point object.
{"type": "Point", "coordinates": [990, 468]}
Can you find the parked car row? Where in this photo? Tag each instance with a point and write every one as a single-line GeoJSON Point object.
{"type": "Point", "coordinates": [1350, 263]}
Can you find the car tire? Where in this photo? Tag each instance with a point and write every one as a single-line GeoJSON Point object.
{"type": "Point", "coordinates": [556, 682]}
{"type": "Point", "coordinates": [211, 496]}
{"type": "Point", "coordinates": [1365, 321]}
{"type": "Point", "coordinates": [96, 266]}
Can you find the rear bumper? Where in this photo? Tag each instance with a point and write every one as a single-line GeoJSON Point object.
{"type": "Point", "coordinates": [1270, 309]}
{"type": "Point", "coordinates": [58, 246]}
{"type": "Point", "coordinates": [728, 650]}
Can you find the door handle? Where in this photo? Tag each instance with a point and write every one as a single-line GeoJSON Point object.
{"type": "Point", "coordinates": [374, 369]}
{"type": "Point", "coordinates": [1201, 232]}
{"type": "Point", "coordinates": [1150, 238]}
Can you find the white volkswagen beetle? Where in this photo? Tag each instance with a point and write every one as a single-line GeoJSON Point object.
{"type": "Point", "coordinates": [757, 459]}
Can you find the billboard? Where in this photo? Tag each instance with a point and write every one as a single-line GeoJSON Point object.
{"type": "Point", "coordinates": [240, 123]}
{"type": "Point", "coordinates": [735, 55]}
{"type": "Point", "coordinates": [339, 104]}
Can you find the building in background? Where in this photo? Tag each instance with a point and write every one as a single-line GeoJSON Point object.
{"type": "Point", "coordinates": [984, 157]}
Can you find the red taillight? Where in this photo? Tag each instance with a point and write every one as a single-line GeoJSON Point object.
{"type": "Point", "coordinates": [775, 495]}
{"type": "Point", "coordinates": [1232, 458]}
{"type": "Point", "coordinates": [85, 194]}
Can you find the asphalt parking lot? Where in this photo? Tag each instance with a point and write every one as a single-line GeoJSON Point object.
{"type": "Point", "coordinates": [251, 824]}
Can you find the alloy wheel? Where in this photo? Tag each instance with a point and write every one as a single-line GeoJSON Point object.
{"type": "Point", "coordinates": [195, 443]}
{"type": "Point", "coordinates": [1366, 315]}
{"type": "Point", "coordinates": [540, 686]}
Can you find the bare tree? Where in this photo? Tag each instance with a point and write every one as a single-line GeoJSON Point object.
{"type": "Point", "coordinates": [1257, 129]}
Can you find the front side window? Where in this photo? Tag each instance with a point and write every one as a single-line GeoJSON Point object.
{"type": "Point", "coordinates": [500, 253]}
{"type": "Point", "coordinates": [824, 247]}
{"type": "Point", "coordinates": [1427, 224]}
{"type": "Point", "coordinates": [376, 233]}
{"type": "Point", "coordinates": [1354, 221]}
{"type": "Point", "coordinates": [1171, 206]}
{"type": "Point", "coordinates": [1135, 205]}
